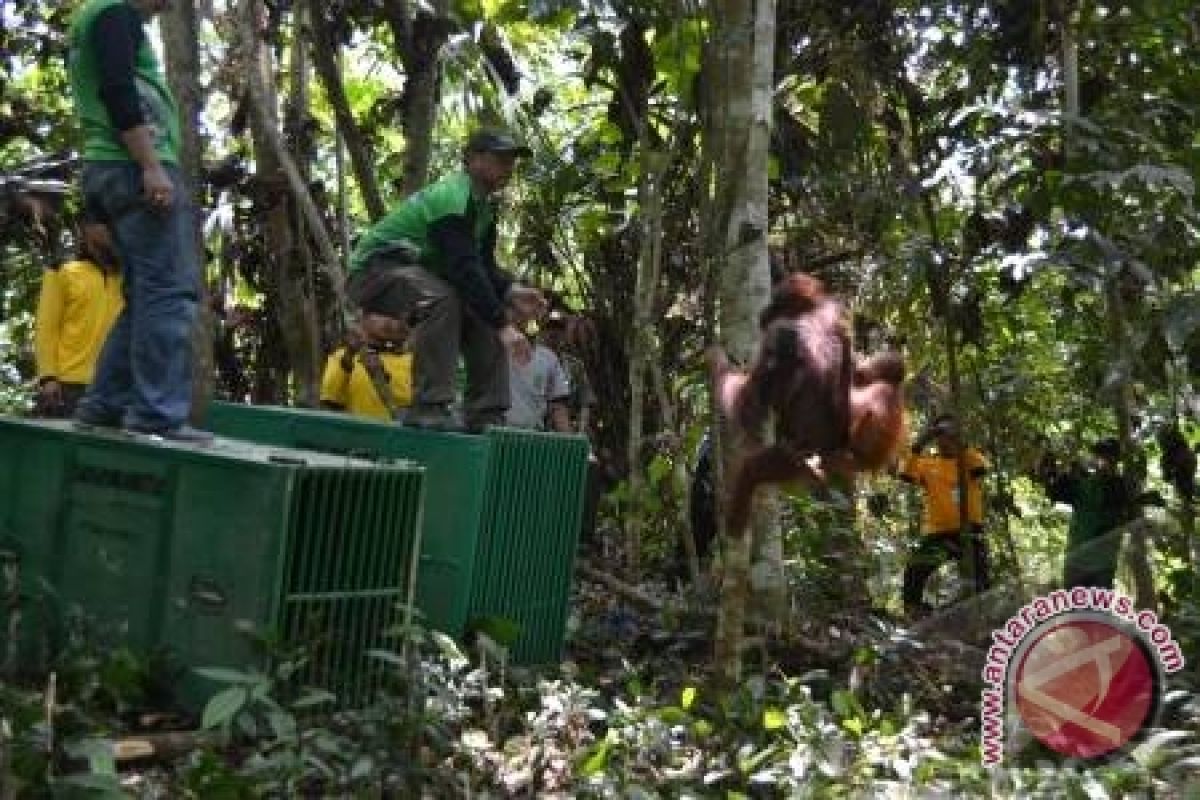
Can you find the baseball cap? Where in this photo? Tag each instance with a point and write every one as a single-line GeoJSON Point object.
{"type": "Point", "coordinates": [493, 141]}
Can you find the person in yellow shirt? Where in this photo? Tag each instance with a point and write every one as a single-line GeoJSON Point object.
{"type": "Point", "coordinates": [78, 304]}
{"type": "Point", "coordinates": [943, 527]}
{"type": "Point", "coordinates": [378, 346]}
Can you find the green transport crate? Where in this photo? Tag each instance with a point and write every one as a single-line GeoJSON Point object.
{"type": "Point", "coordinates": [196, 553]}
{"type": "Point", "coordinates": [502, 514]}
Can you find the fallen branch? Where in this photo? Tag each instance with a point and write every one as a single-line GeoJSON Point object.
{"type": "Point", "coordinates": [164, 745]}
{"type": "Point", "coordinates": [629, 592]}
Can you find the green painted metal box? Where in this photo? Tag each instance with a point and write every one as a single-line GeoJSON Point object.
{"type": "Point", "coordinates": [502, 513]}
{"type": "Point", "coordinates": [187, 550]}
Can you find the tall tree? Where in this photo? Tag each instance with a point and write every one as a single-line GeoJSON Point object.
{"type": "Point", "coordinates": [419, 38]}
{"type": "Point", "coordinates": [327, 43]}
{"type": "Point", "coordinates": [739, 68]}
{"type": "Point", "coordinates": [295, 309]}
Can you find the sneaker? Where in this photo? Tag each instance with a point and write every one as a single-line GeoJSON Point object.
{"type": "Point", "coordinates": [432, 418]}
{"type": "Point", "coordinates": [184, 434]}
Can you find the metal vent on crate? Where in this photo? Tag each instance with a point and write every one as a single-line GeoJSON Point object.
{"type": "Point", "coordinates": [346, 586]}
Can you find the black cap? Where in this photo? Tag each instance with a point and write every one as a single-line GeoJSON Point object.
{"type": "Point", "coordinates": [492, 141]}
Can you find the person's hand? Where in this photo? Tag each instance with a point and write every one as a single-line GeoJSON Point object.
{"type": "Point", "coordinates": [527, 303]}
{"type": "Point", "coordinates": [50, 394]}
{"type": "Point", "coordinates": [516, 344]}
{"type": "Point", "coordinates": [356, 337]}
{"type": "Point", "coordinates": [157, 186]}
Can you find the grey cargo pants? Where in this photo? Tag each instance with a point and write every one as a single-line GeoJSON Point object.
{"type": "Point", "coordinates": [442, 328]}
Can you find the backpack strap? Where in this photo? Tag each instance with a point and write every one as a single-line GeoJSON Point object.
{"type": "Point", "coordinates": [381, 381]}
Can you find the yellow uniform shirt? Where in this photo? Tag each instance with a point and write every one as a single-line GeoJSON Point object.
{"type": "Point", "coordinates": [938, 476]}
{"type": "Point", "coordinates": [354, 390]}
{"type": "Point", "coordinates": [76, 309]}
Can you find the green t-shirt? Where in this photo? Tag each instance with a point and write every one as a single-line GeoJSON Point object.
{"type": "Point", "coordinates": [410, 222]}
{"type": "Point", "coordinates": [101, 139]}
{"type": "Point", "coordinates": [1100, 504]}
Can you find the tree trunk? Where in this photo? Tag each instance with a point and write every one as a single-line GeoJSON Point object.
{"type": "Point", "coordinates": [281, 244]}
{"type": "Point", "coordinates": [1137, 547]}
{"type": "Point", "coordinates": [419, 39]}
{"type": "Point", "coordinates": [301, 271]}
{"type": "Point", "coordinates": [325, 61]}
{"type": "Point", "coordinates": [264, 115]}
{"type": "Point", "coordinates": [642, 345]}
{"type": "Point", "coordinates": [179, 29]}
{"type": "Point", "coordinates": [739, 66]}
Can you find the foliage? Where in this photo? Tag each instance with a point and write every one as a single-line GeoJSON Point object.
{"type": "Point", "coordinates": [923, 161]}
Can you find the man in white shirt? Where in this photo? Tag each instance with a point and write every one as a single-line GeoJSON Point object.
{"type": "Point", "coordinates": [539, 391]}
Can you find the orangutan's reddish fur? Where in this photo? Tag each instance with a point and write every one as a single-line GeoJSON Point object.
{"type": "Point", "coordinates": [804, 375]}
{"type": "Point", "coordinates": [877, 421]}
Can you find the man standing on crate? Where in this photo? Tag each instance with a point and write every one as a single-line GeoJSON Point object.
{"type": "Point", "coordinates": [133, 185]}
{"type": "Point", "coordinates": [432, 263]}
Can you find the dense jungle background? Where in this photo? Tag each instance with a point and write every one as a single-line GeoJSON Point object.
{"type": "Point", "coordinates": [1003, 190]}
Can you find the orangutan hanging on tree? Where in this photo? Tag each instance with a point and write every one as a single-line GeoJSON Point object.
{"type": "Point", "coordinates": [832, 415]}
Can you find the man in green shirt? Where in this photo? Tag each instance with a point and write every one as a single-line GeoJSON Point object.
{"type": "Point", "coordinates": [431, 262]}
{"type": "Point", "coordinates": [132, 184]}
{"type": "Point", "coordinates": [1103, 501]}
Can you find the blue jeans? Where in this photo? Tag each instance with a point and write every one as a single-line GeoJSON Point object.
{"type": "Point", "coordinates": [144, 376]}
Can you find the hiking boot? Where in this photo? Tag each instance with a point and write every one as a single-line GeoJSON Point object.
{"type": "Point", "coordinates": [432, 418]}
{"type": "Point", "coordinates": [478, 423]}
{"type": "Point", "coordinates": [184, 434]}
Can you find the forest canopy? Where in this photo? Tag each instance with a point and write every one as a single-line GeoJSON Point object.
{"type": "Point", "coordinates": [1003, 191]}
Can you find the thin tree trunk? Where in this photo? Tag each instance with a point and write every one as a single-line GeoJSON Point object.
{"type": "Point", "coordinates": [179, 29]}
{"type": "Point", "coordinates": [419, 39]}
{"type": "Point", "coordinates": [263, 113]}
{"type": "Point", "coordinates": [281, 243]}
{"type": "Point", "coordinates": [1137, 547]}
{"type": "Point", "coordinates": [306, 288]}
{"type": "Point", "coordinates": [642, 347]}
{"type": "Point", "coordinates": [740, 67]}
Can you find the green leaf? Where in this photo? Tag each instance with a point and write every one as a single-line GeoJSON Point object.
{"type": "Point", "coordinates": [97, 752]}
{"type": "Point", "coordinates": [774, 719]}
{"type": "Point", "coordinates": [314, 697]}
{"type": "Point", "coordinates": [748, 765]}
{"type": "Point", "coordinates": [672, 715]}
{"type": "Point", "coordinates": [450, 649]}
{"type": "Point", "coordinates": [501, 630]}
{"type": "Point", "coordinates": [225, 675]}
{"type": "Point", "coordinates": [386, 655]}
{"type": "Point", "coordinates": [362, 768]}
{"type": "Point", "coordinates": [223, 706]}
{"type": "Point", "coordinates": [283, 725]}
{"type": "Point", "coordinates": [596, 760]}
{"type": "Point", "coordinates": [688, 697]}
{"type": "Point", "coordinates": [845, 704]}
